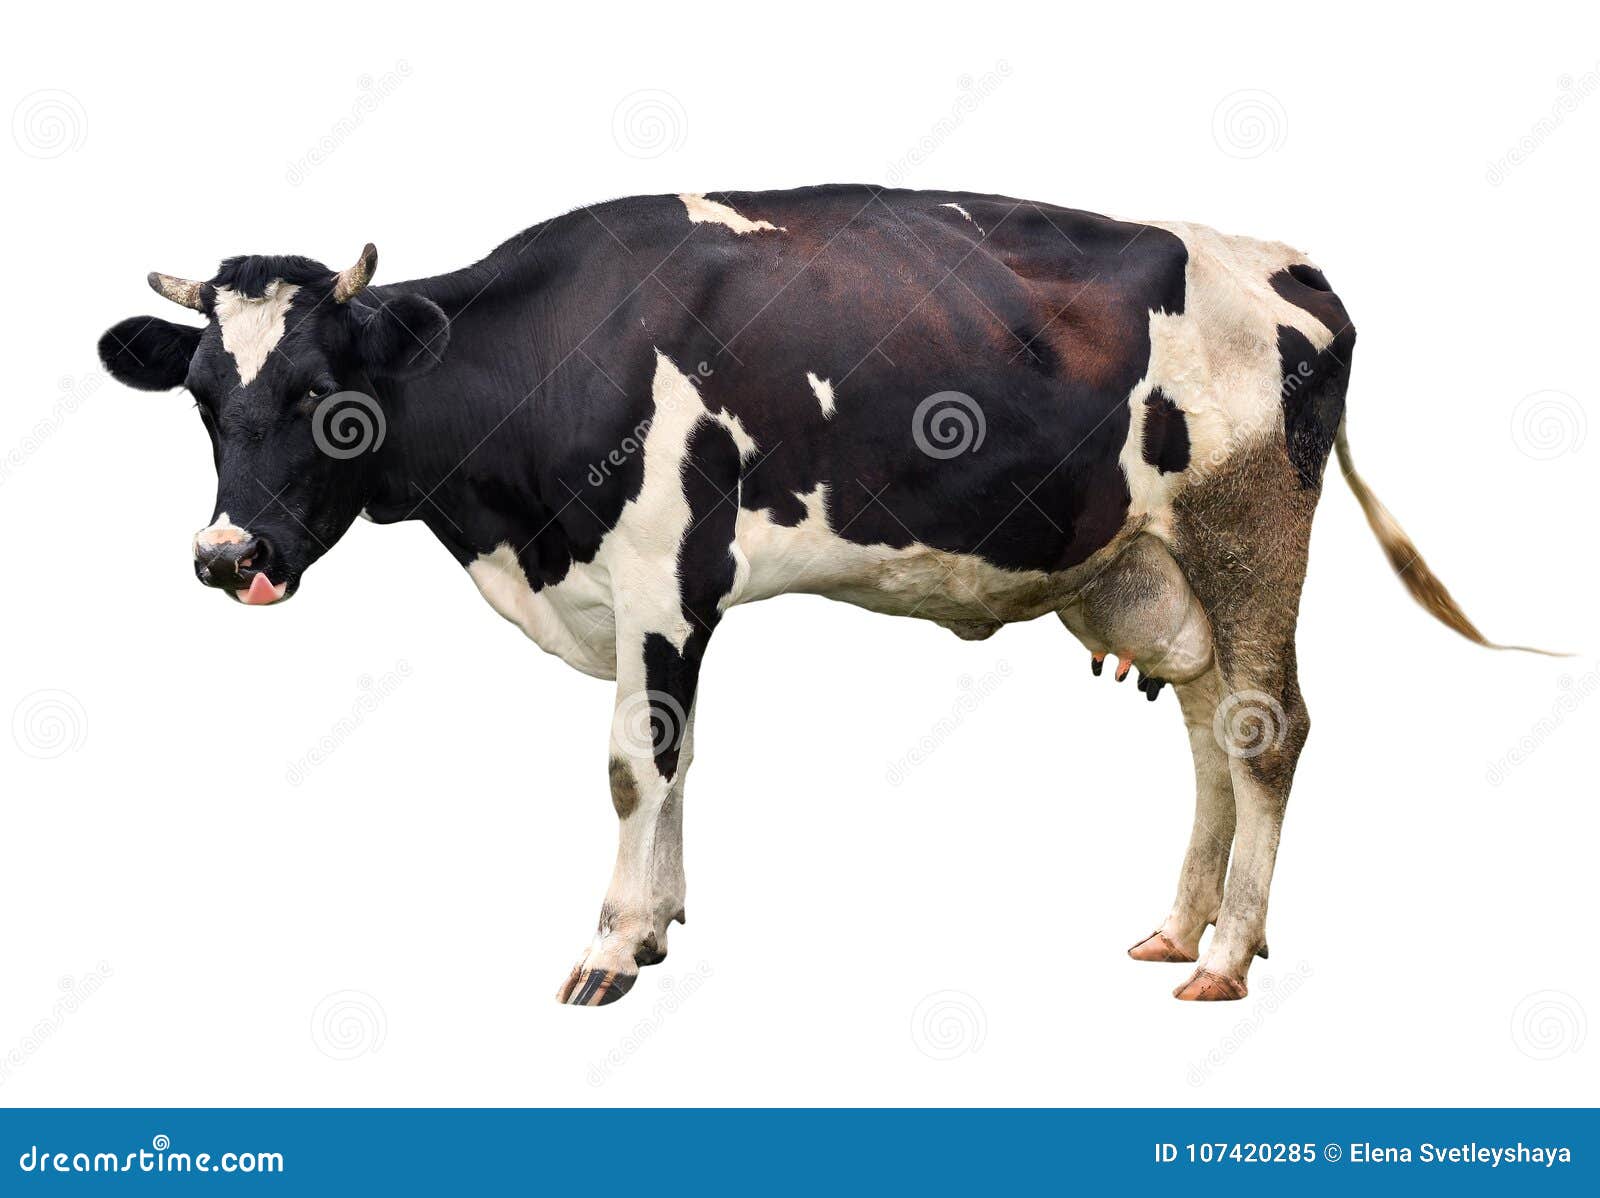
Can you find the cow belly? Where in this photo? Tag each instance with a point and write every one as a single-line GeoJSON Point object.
{"type": "Point", "coordinates": [963, 591]}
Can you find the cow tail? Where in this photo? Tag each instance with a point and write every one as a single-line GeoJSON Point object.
{"type": "Point", "coordinates": [1403, 555]}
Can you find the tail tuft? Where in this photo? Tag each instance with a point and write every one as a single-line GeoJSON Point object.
{"type": "Point", "coordinates": [1404, 556]}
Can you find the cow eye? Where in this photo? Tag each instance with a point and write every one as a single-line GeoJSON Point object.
{"type": "Point", "coordinates": [320, 390]}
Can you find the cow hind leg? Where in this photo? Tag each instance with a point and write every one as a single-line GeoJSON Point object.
{"type": "Point", "coordinates": [1142, 610]}
{"type": "Point", "coordinates": [1205, 863]}
{"type": "Point", "coordinates": [1242, 539]}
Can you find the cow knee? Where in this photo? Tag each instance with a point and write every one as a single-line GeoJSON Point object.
{"type": "Point", "coordinates": [1263, 725]}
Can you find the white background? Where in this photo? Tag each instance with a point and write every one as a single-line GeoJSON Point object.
{"type": "Point", "coordinates": [1433, 921]}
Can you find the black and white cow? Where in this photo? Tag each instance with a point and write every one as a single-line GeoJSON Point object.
{"type": "Point", "coordinates": [966, 408]}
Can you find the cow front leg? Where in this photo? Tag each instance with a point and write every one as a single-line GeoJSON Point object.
{"type": "Point", "coordinates": [1205, 864]}
{"type": "Point", "coordinates": [652, 743]}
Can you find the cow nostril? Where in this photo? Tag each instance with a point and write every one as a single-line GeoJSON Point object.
{"type": "Point", "coordinates": [257, 555]}
{"type": "Point", "coordinates": [224, 563]}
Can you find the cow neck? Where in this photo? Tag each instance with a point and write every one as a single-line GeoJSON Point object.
{"type": "Point", "coordinates": [460, 454]}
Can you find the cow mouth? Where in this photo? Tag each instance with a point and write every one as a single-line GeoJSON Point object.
{"type": "Point", "coordinates": [261, 591]}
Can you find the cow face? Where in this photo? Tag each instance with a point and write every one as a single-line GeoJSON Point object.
{"type": "Point", "coordinates": [282, 375]}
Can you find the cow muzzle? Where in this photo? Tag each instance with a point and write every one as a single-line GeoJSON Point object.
{"type": "Point", "coordinates": [233, 560]}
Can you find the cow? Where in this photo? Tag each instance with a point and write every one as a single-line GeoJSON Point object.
{"type": "Point", "coordinates": [966, 408]}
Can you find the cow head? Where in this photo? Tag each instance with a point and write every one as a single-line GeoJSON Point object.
{"type": "Point", "coordinates": [283, 376]}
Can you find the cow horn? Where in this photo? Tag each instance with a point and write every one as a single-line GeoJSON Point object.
{"type": "Point", "coordinates": [179, 291]}
{"type": "Point", "coordinates": [351, 281]}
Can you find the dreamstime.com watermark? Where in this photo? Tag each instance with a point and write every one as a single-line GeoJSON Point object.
{"type": "Point", "coordinates": [1548, 424]}
{"type": "Point", "coordinates": [1574, 692]}
{"type": "Point", "coordinates": [348, 1024]}
{"type": "Point", "coordinates": [618, 457]}
{"type": "Point", "coordinates": [49, 123]}
{"type": "Point", "coordinates": [1548, 1024]}
{"type": "Point", "coordinates": [973, 693]}
{"type": "Point", "coordinates": [74, 993]}
{"type": "Point", "coordinates": [372, 694]}
{"type": "Point", "coordinates": [948, 1024]}
{"type": "Point", "coordinates": [1270, 994]}
{"type": "Point", "coordinates": [347, 424]}
{"type": "Point", "coordinates": [1249, 723]}
{"type": "Point", "coordinates": [372, 94]}
{"type": "Point", "coordinates": [1571, 93]}
{"type": "Point", "coordinates": [1249, 123]}
{"type": "Point", "coordinates": [49, 723]}
{"type": "Point", "coordinates": [649, 123]}
{"type": "Point", "coordinates": [72, 394]}
{"type": "Point", "coordinates": [158, 1158]}
{"type": "Point", "coordinates": [948, 424]}
{"type": "Point", "coordinates": [973, 93]}
{"type": "Point", "coordinates": [674, 993]}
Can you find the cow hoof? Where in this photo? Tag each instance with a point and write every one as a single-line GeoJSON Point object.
{"type": "Point", "coordinates": [1158, 946]}
{"type": "Point", "coordinates": [1206, 986]}
{"type": "Point", "coordinates": [595, 987]}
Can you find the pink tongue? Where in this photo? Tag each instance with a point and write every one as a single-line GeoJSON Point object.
{"type": "Point", "coordinates": [262, 592]}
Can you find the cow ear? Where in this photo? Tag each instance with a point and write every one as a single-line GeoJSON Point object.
{"type": "Point", "coordinates": [149, 353]}
{"type": "Point", "coordinates": [403, 338]}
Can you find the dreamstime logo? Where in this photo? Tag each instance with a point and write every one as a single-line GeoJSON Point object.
{"type": "Point", "coordinates": [973, 93]}
{"type": "Point", "coordinates": [373, 93]}
{"type": "Point", "coordinates": [948, 424]}
{"type": "Point", "coordinates": [647, 723]}
{"type": "Point", "coordinates": [1573, 92]}
{"type": "Point", "coordinates": [49, 123]}
{"type": "Point", "coordinates": [49, 723]}
{"type": "Point", "coordinates": [948, 1024]}
{"type": "Point", "coordinates": [648, 123]}
{"type": "Point", "coordinates": [1221, 453]}
{"type": "Point", "coordinates": [674, 993]}
{"type": "Point", "coordinates": [973, 693]}
{"type": "Point", "coordinates": [348, 1024]}
{"type": "Point", "coordinates": [348, 424]}
{"type": "Point", "coordinates": [73, 394]}
{"type": "Point", "coordinates": [1249, 123]}
{"type": "Point", "coordinates": [1547, 424]}
{"type": "Point", "coordinates": [1548, 1024]}
{"type": "Point", "coordinates": [618, 457]}
{"type": "Point", "coordinates": [74, 993]}
{"type": "Point", "coordinates": [373, 692]}
{"type": "Point", "coordinates": [1248, 723]}
{"type": "Point", "coordinates": [1573, 693]}
{"type": "Point", "coordinates": [1269, 995]}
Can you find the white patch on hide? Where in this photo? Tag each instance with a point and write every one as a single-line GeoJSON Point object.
{"type": "Point", "coordinates": [252, 326]}
{"type": "Point", "coordinates": [966, 214]}
{"type": "Point", "coordinates": [632, 579]}
{"type": "Point", "coordinates": [811, 558]}
{"type": "Point", "coordinates": [571, 620]}
{"type": "Point", "coordinates": [704, 211]}
{"type": "Point", "coordinates": [823, 390]}
{"type": "Point", "coordinates": [221, 531]}
{"type": "Point", "coordinates": [1218, 361]}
